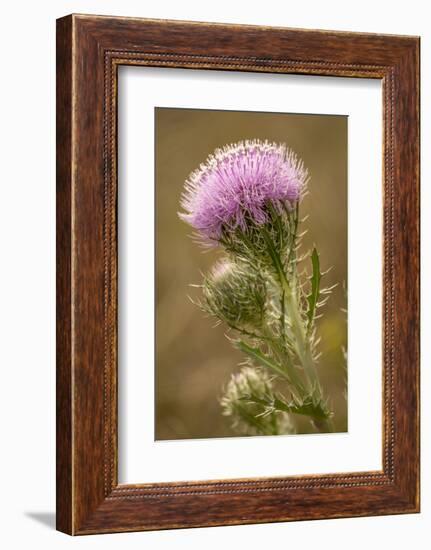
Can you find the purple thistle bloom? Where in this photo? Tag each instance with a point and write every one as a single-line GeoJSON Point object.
{"type": "Point", "coordinates": [237, 183]}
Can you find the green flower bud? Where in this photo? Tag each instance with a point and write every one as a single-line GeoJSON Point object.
{"type": "Point", "coordinates": [244, 402]}
{"type": "Point", "coordinates": [236, 294]}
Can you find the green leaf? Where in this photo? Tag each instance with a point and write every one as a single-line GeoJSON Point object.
{"type": "Point", "coordinates": [313, 297]}
{"type": "Point", "coordinates": [309, 407]}
{"type": "Point", "coordinates": [306, 407]}
{"type": "Point", "coordinates": [275, 258]}
{"type": "Point", "coordinates": [260, 358]}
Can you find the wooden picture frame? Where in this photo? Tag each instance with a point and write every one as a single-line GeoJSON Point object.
{"type": "Point", "coordinates": [89, 51]}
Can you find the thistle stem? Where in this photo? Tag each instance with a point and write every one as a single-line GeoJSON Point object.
{"type": "Point", "coordinates": [291, 373]}
{"type": "Point", "coordinates": [302, 345]}
{"type": "Point", "coordinates": [291, 307]}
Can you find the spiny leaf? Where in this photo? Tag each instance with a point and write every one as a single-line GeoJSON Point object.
{"type": "Point", "coordinates": [313, 297]}
{"type": "Point", "coordinates": [309, 407]}
{"type": "Point", "coordinates": [260, 358]}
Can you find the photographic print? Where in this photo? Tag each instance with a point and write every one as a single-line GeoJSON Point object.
{"type": "Point", "coordinates": [251, 273]}
{"type": "Point", "coordinates": [216, 291]}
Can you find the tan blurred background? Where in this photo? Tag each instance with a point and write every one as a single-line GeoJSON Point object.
{"type": "Point", "coordinates": [194, 360]}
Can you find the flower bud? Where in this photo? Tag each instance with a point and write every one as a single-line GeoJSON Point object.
{"type": "Point", "coordinates": [236, 294]}
{"type": "Point", "coordinates": [245, 403]}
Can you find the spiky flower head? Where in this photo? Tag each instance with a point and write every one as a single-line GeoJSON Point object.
{"type": "Point", "coordinates": [235, 293]}
{"type": "Point", "coordinates": [237, 183]}
{"type": "Point", "coordinates": [241, 403]}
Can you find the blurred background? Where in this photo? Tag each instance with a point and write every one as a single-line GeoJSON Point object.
{"type": "Point", "coordinates": [194, 360]}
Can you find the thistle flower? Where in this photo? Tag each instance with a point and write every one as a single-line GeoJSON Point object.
{"type": "Point", "coordinates": [245, 198]}
{"type": "Point", "coordinates": [237, 184]}
{"type": "Point", "coordinates": [235, 294]}
{"type": "Point", "coordinates": [240, 402]}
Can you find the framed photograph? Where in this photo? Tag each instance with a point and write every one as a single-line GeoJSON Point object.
{"type": "Point", "coordinates": [237, 274]}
